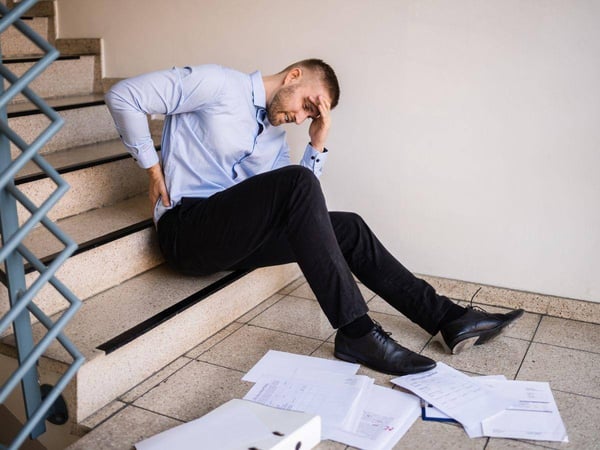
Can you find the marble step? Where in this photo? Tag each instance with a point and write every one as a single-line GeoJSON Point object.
{"type": "Point", "coordinates": [90, 187]}
{"type": "Point", "coordinates": [66, 76]}
{"type": "Point", "coordinates": [15, 43]}
{"type": "Point", "coordinates": [115, 243]}
{"type": "Point", "coordinates": [86, 117]}
{"type": "Point", "coordinates": [134, 329]}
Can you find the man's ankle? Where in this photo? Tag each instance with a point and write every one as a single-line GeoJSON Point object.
{"type": "Point", "coordinates": [358, 327]}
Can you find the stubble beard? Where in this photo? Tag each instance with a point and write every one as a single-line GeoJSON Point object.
{"type": "Point", "coordinates": [277, 105]}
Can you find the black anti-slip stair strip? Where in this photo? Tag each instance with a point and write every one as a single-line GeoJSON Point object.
{"type": "Point", "coordinates": [58, 104]}
{"type": "Point", "coordinates": [154, 321]}
{"type": "Point", "coordinates": [35, 58]}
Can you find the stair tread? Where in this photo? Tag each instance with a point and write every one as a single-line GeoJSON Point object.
{"type": "Point", "coordinates": [121, 308]}
{"type": "Point", "coordinates": [75, 158]}
{"type": "Point", "coordinates": [91, 225]}
{"type": "Point", "coordinates": [58, 103]}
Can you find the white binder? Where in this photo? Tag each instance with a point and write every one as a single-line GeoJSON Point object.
{"type": "Point", "coordinates": [241, 425]}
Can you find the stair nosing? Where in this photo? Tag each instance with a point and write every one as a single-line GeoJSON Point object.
{"type": "Point", "coordinates": [149, 324]}
{"type": "Point", "coordinates": [64, 107]}
{"type": "Point", "coordinates": [36, 58]}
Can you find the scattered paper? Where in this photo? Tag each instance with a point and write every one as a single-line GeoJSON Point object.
{"type": "Point", "coordinates": [455, 394]}
{"type": "Point", "coordinates": [332, 396]}
{"type": "Point", "coordinates": [387, 416]}
{"type": "Point", "coordinates": [287, 365]}
{"type": "Point", "coordinates": [533, 415]}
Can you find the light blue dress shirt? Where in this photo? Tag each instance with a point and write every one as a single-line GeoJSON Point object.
{"type": "Point", "coordinates": [216, 132]}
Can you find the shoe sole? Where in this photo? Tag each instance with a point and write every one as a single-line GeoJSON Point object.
{"type": "Point", "coordinates": [480, 338]}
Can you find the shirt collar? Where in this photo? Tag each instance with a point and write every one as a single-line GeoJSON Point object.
{"type": "Point", "coordinates": [258, 90]}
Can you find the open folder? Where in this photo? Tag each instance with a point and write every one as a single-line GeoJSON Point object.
{"type": "Point", "coordinates": [241, 425]}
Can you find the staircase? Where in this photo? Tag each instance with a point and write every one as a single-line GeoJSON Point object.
{"type": "Point", "coordinates": [137, 314]}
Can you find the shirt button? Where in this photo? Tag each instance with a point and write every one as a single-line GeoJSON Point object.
{"type": "Point", "coordinates": [318, 160]}
{"type": "Point", "coordinates": [312, 157]}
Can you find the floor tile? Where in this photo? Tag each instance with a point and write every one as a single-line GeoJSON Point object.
{"type": "Point", "coordinates": [242, 349]}
{"type": "Point", "coordinates": [581, 416]}
{"type": "Point", "coordinates": [112, 434]}
{"type": "Point", "coordinates": [153, 380]}
{"type": "Point", "coordinates": [214, 340]}
{"type": "Point", "coordinates": [297, 316]}
{"type": "Point", "coordinates": [260, 308]}
{"type": "Point", "coordinates": [458, 290]}
{"type": "Point", "coordinates": [501, 356]}
{"type": "Point", "coordinates": [103, 414]}
{"type": "Point", "coordinates": [305, 291]}
{"type": "Point", "coordinates": [293, 285]}
{"type": "Point", "coordinates": [568, 370]}
{"type": "Point", "coordinates": [439, 436]}
{"type": "Point", "coordinates": [195, 390]}
{"type": "Point", "coordinates": [569, 333]}
{"type": "Point", "coordinates": [330, 445]}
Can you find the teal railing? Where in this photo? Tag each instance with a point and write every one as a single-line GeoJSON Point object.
{"type": "Point", "coordinates": [13, 252]}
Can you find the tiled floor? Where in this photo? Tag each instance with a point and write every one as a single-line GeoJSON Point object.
{"type": "Point", "coordinates": [563, 352]}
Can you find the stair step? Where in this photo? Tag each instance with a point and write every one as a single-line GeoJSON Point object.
{"type": "Point", "coordinates": [86, 117]}
{"type": "Point", "coordinates": [66, 76]}
{"type": "Point", "coordinates": [116, 243]}
{"type": "Point", "coordinates": [206, 305]}
{"type": "Point", "coordinates": [14, 43]}
{"type": "Point", "coordinates": [75, 158]}
{"type": "Point", "coordinates": [90, 188]}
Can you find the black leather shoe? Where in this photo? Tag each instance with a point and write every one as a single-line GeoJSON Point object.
{"type": "Point", "coordinates": [380, 352]}
{"type": "Point", "coordinates": [476, 327]}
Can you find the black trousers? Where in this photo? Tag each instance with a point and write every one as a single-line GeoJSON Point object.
{"type": "Point", "coordinates": [280, 217]}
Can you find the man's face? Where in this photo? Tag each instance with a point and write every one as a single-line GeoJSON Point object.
{"type": "Point", "coordinates": [294, 102]}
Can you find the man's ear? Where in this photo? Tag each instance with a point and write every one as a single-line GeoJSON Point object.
{"type": "Point", "coordinates": [293, 75]}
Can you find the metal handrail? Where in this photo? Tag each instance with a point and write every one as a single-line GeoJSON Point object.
{"type": "Point", "coordinates": [13, 251]}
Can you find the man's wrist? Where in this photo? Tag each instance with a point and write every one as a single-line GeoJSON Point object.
{"type": "Point", "coordinates": [319, 148]}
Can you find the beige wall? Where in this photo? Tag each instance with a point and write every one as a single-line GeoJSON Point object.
{"type": "Point", "coordinates": [468, 133]}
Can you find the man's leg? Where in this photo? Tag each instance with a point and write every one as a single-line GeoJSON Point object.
{"type": "Point", "coordinates": [416, 299]}
{"type": "Point", "coordinates": [243, 226]}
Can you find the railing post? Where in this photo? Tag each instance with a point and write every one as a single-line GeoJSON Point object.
{"type": "Point", "coordinates": [15, 281]}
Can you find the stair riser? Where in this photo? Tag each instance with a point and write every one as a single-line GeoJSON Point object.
{"type": "Point", "coordinates": [14, 43]}
{"type": "Point", "coordinates": [90, 188]}
{"type": "Point", "coordinates": [82, 126]}
{"type": "Point", "coordinates": [62, 78]}
{"type": "Point", "coordinates": [97, 385]}
{"type": "Point", "coordinates": [91, 272]}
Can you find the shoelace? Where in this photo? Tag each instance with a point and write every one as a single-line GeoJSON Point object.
{"type": "Point", "coordinates": [381, 334]}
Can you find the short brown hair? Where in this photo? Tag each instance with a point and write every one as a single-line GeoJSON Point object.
{"type": "Point", "coordinates": [325, 73]}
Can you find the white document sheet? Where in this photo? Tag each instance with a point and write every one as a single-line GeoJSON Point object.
{"type": "Point", "coordinates": [332, 396]}
{"type": "Point", "coordinates": [388, 414]}
{"type": "Point", "coordinates": [534, 414]}
{"type": "Point", "coordinates": [287, 365]}
{"type": "Point", "coordinates": [455, 394]}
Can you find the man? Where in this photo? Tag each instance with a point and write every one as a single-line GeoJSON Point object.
{"type": "Point", "coordinates": [227, 197]}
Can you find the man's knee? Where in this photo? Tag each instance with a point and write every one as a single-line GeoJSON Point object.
{"type": "Point", "coordinates": [348, 222]}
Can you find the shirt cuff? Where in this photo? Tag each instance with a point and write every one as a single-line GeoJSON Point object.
{"type": "Point", "coordinates": [314, 159]}
{"type": "Point", "coordinates": [146, 158]}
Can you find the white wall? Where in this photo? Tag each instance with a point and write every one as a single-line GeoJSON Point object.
{"type": "Point", "coordinates": [468, 133]}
